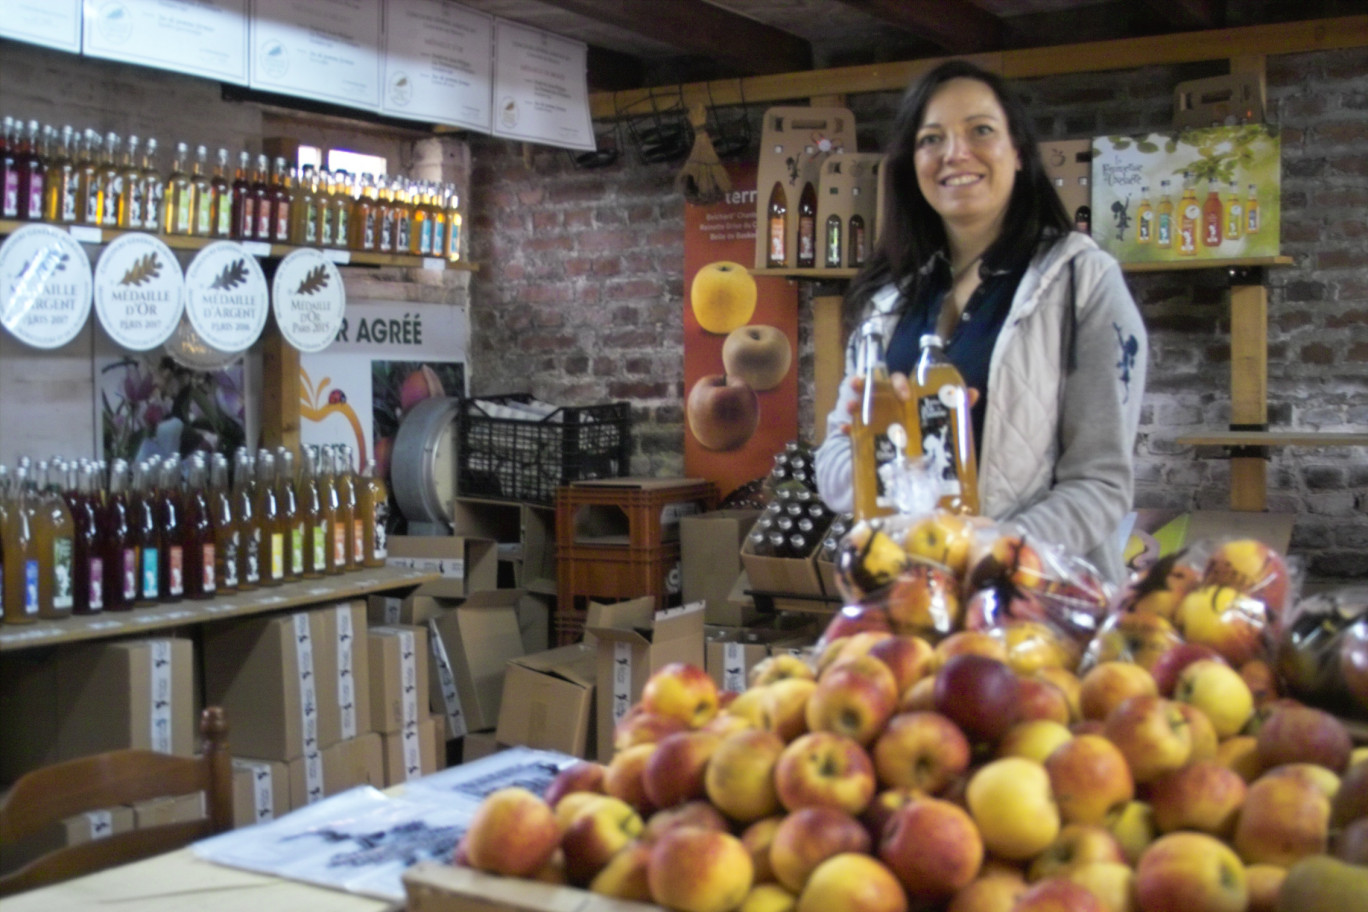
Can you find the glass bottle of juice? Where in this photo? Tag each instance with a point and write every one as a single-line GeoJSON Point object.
{"type": "Point", "coordinates": [59, 190]}
{"type": "Point", "coordinates": [387, 216]}
{"type": "Point", "coordinates": [197, 534]}
{"type": "Point", "coordinates": [116, 545]}
{"type": "Point", "coordinates": [290, 516]}
{"type": "Point", "coordinates": [227, 534]}
{"type": "Point", "coordinates": [345, 515]}
{"type": "Point", "coordinates": [776, 228]}
{"type": "Point", "coordinates": [132, 188]}
{"type": "Point", "coordinates": [9, 169]}
{"type": "Point", "coordinates": [261, 192]}
{"type": "Point", "coordinates": [170, 519]}
{"type": "Point", "coordinates": [347, 496]}
{"type": "Point", "coordinates": [454, 226]}
{"type": "Point", "coordinates": [249, 525]}
{"type": "Point", "coordinates": [202, 213]}
{"type": "Point", "coordinates": [363, 226]}
{"type": "Point", "coordinates": [87, 561]}
{"type": "Point", "coordinates": [420, 229]}
{"type": "Point", "coordinates": [146, 537]}
{"type": "Point", "coordinates": [87, 179]}
{"type": "Point", "coordinates": [332, 513]}
{"type": "Point", "coordinates": [858, 248]}
{"type": "Point", "coordinates": [21, 552]}
{"type": "Point", "coordinates": [403, 214]}
{"type": "Point", "coordinates": [154, 189]}
{"type": "Point", "coordinates": [1234, 213]}
{"type": "Point", "coordinates": [268, 514]}
{"type": "Point", "coordinates": [807, 227]}
{"type": "Point", "coordinates": [304, 204]}
{"type": "Point", "coordinates": [316, 541]}
{"type": "Point", "coordinates": [1144, 219]}
{"type": "Point", "coordinates": [877, 433]}
{"type": "Point", "coordinates": [178, 207]}
{"type": "Point", "coordinates": [946, 430]}
{"type": "Point", "coordinates": [32, 174]}
{"type": "Point", "coordinates": [437, 219]}
{"type": "Point", "coordinates": [1213, 218]}
{"type": "Point", "coordinates": [1252, 211]}
{"type": "Point", "coordinates": [1163, 234]}
{"type": "Point", "coordinates": [1189, 218]}
{"type": "Point", "coordinates": [221, 192]}
{"type": "Point", "coordinates": [281, 199]}
{"type": "Point", "coordinates": [373, 506]}
{"type": "Point", "coordinates": [327, 212]}
{"type": "Point", "coordinates": [832, 244]}
{"type": "Point", "coordinates": [340, 209]}
{"type": "Point", "coordinates": [55, 534]}
{"type": "Point", "coordinates": [111, 180]}
{"type": "Point", "coordinates": [244, 204]}
{"type": "Point", "coordinates": [315, 208]}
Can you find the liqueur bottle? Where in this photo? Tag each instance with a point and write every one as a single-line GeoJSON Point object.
{"type": "Point", "coordinates": [178, 207]}
{"type": "Point", "coordinates": [261, 192]}
{"type": "Point", "coordinates": [1144, 219]}
{"type": "Point", "coordinates": [776, 228]}
{"type": "Point", "coordinates": [317, 541]}
{"type": "Point", "coordinates": [945, 430]}
{"type": "Point", "coordinates": [833, 242]}
{"type": "Point", "coordinates": [145, 536]}
{"type": "Point", "coordinates": [364, 217]}
{"type": "Point", "coordinates": [111, 181]}
{"type": "Point", "coordinates": [227, 532]}
{"type": "Point", "coordinates": [807, 227]}
{"type": "Point", "coordinates": [388, 217]}
{"type": "Point", "coordinates": [273, 529]}
{"type": "Point", "coordinates": [60, 188]}
{"type": "Point", "coordinates": [332, 513]}
{"type": "Point", "coordinates": [221, 191]}
{"type": "Point", "coordinates": [858, 248]}
{"type": "Point", "coordinates": [131, 203]}
{"type": "Point", "coordinates": [89, 193]}
{"type": "Point", "coordinates": [303, 207]}
{"type": "Point", "coordinates": [197, 535]}
{"type": "Point", "coordinates": [280, 202]}
{"type": "Point", "coordinates": [54, 532]}
{"type": "Point", "coordinates": [877, 433]}
{"type": "Point", "coordinates": [347, 496]}
{"type": "Point", "coordinates": [403, 214]}
{"type": "Point", "coordinates": [291, 518]}
{"type": "Point", "coordinates": [32, 173]}
{"type": "Point", "coordinates": [249, 526]}
{"type": "Point", "coordinates": [170, 512]}
{"type": "Point", "coordinates": [21, 552]}
{"type": "Point", "coordinates": [117, 545]}
{"type": "Point", "coordinates": [87, 559]}
{"type": "Point", "coordinates": [244, 203]}
{"type": "Point", "coordinates": [203, 209]}
{"type": "Point", "coordinates": [9, 169]}
{"type": "Point", "coordinates": [154, 189]}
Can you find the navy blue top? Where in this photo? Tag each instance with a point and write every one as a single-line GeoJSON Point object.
{"type": "Point", "coordinates": [970, 346]}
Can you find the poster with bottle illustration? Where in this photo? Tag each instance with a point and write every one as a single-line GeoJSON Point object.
{"type": "Point", "coordinates": [1210, 193]}
{"type": "Point", "coordinates": [740, 345]}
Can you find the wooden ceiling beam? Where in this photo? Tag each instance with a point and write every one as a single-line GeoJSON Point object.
{"type": "Point", "coordinates": [696, 27]}
{"type": "Point", "coordinates": [1188, 14]}
{"type": "Point", "coordinates": [955, 26]}
{"type": "Point", "coordinates": [1123, 54]}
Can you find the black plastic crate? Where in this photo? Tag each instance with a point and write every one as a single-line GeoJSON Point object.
{"type": "Point", "coordinates": [527, 458]}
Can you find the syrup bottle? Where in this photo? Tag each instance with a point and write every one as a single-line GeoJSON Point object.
{"type": "Point", "coordinates": [117, 546]}
{"type": "Point", "coordinates": [776, 228]}
{"type": "Point", "coordinates": [55, 535]}
{"type": "Point", "coordinates": [945, 430]}
{"type": "Point", "coordinates": [88, 562]}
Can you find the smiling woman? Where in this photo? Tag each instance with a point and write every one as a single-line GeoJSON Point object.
{"type": "Point", "coordinates": [977, 248]}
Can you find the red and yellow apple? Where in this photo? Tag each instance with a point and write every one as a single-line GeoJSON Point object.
{"type": "Point", "coordinates": [1013, 805]}
{"type": "Point", "coordinates": [1133, 826]}
{"type": "Point", "coordinates": [777, 667]}
{"type": "Point", "coordinates": [933, 848]}
{"type": "Point", "coordinates": [1034, 739]}
{"type": "Point", "coordinates": [979, 694]}
{"type": "Point", "coordinates": [1204, 796]}
{"type": "Point", "coordinates": [809, 836]}
{"type": "Point", "coordinates": [1190, 872]}
{"type": "Point", "coordinates": [674, 770]}
{"type": "Point", "coordinates": [824, 769]}
{"type": "Point", "coordinates": [681, 691]}
{"type": "Point", "coordinates": [1090, 779]}
{"type": "Point", "coordinates": [1283, 819]}
{"type": "Point", "coordinates": [597, 833]}
{"type": "Point", "coordinates": [943, 537]}
{"type": "Point", "coordinates": [513, 832]}
{"type": "Point", "coordinates": [1218, 691]}
{"type": "Point", "coordinates": [920, 750]}
{"type": "Point", "coordinates": [698, 813]}
{"type": "Point", "coordinates": [908, 657]}
{"type": "Point", "coordinates": [1076, 844]}
{"type": "Point", "coordinates": [624, 876]}
{"type": "Point", "coordinates": [698, 870]}
{"type": "Point", "coordinates": [625, 777]}
{"type": "Point", "coordinates": [583, 776]}
{"type": "Point", "coordinates": [852, 881]}
{"type": "Point", "coordinates": [722, 412]}
{"type": "Point", "coordinates": [740, 776]}
{"type": "Point", "coordinates": [783, 709]}
{"type": "Point", "coordinates": [1152, 733]}
{"type": "Point", "coordinates": [1108, 684]}
{"type": "Point", "coordinates": [1251, 567]}
{"type": "Point", "coordinates": [855, 697]}
{"type": "Point", "coordinates": [1293, 733]}
{"type": "Point", "coordinates": [1225, 619]}
{"type": "Point", "coordinates": [1058, 894]}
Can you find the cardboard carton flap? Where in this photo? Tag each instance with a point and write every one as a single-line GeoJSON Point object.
{"type": "Point", "coordinates": [493, 598]}
{"type": "Point", "coordinates": [686, 620]}
{"type": "Point", "coordinates": [631, 613]}
{"type": "Point", "coordinates": [574, 663]}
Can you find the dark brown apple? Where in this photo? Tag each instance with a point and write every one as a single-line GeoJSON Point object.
{"type": "Point", "coordinates": [1303, 734]}
{"type": "Point", "coordinates": [723, 412]}
{"type": "Point", "coordinates": [979, 694]}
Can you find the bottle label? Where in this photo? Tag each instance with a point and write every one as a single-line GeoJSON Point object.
{"type": "Point", "coordinates": [96, 595]}
{"type": "Point", "coordinates": [776, 240]}
{"type": "Point", "coordinates": [35, 195]}
{"type": "Point", "coordinates": [204, 215]}
{"type": "Point", "coordinates": [63, 595]}
{"type": "Point", "coordinates": [135, 204]}
{"type": "Point", "coordinates": [341, 232]}
{"type": "Point", "coordinates": [69, 199]}
{"type": "Point", "coordinates": [282, 226]}
{"type": "Point", "coordinates": [339, 545]}
{"type": "Point", "coordinates": [857, 245]}
{"type": "Point", "coordinates": [253, 571]}
{"type": "Point", "coordinates": [937, 433]}
{"type": "Point", "coordinates": [368, 236]}
{"type": "Point", "coordinates": [1165, 229]}
{"type": "Point", "coordinates": [297, 548]}
{"type": "Point", "coordinates": [320, 546]}
{"type": "Point", "coordinates": [807, 240]}
{"type": "Point", "coordinates": [310, 224]}
{"type": "Point", "coordinates": [152, 207]}
{"type": "Point", "coordinates": [885, 454]}
{"type": "Point", "coordinates": [114, 190]}
{"type": "Point", "coordinates": [11, 194]}
{"type": "Point", "coordinates": [1146, 225]}
{"type": "Point", "coordinates": [833, 242]}
{"type": "Point", "coordinates": [130, 575]}
{"type": "Point", "coordinates": [30, 587]}
{"type": "Point", "coordinates": [381, 534]}
{"type": "Point", "coordinates": [92, 208]}
{"type": "Point", "coordinates": [247, 225]}
{"type": "Point", "coordinates": [277, 556]}
{"type": "Point", "coordinates": [149, 573]}
{"type": "Point", "coordinates": [387, 233]}
{"type": "Point", "coordinates": [436, 241]}
{"type": "Point", "coordinates": [403, 231]}
{"type": "Point", "coordinates": [425, 238]}
{"type": "Point", "coordinates": [230, 560]}
{"type": "Point", "coordinates": [175, 575]}
{"type": "Point", "coordinates": [223, 224]}
{"type": "Point", "coordinates": [1253, 221]}
{"type": "Point", "coordinates": [263, 229]}
{"type": "Point", "coordinates": [207, 583]}
{"type": "Point", "coordinates": [358, 538]}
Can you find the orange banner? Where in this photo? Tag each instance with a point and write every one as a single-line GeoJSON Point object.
{"type": "Point", "coordinates": [740, 344]}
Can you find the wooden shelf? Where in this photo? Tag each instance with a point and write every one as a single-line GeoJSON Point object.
{"type": "Point", "coordinates": [796, 273]}
{"type": "Point", "coordinates": [1188, 265]}
{"type": "Point", "coordinates": [88, 234]}
{"type": "Point", "coordinates": [106, 625]}
{"type": "Point", "coordinates": [1274, 438]}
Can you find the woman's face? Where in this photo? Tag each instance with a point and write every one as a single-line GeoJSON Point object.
{"type": "Point", "coordinates": [966, 163]}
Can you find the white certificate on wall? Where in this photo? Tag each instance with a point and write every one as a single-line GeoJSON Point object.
{"type": "Point", "coordinates": [205, 38]}
{"type": "Point", "coordinates": [51, 23]}
{"type": "Point", "coordinates": [541, 87]}
{"type": "Point", "coordinates": [439, 63]}
{"type": "Point", "coordinates": [328, 50]}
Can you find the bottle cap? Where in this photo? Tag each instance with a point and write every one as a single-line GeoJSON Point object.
{"type": "Point", "coordinates": [931, 340]}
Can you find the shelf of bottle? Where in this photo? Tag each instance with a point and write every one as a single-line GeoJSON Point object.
{"type": "Point", "coordinates": [1274, 438]}
{"type": "Point", "coordinates": [1206, 263]}
{"type": "Point", "coordinates": [343, 257]}
{"type": "Point", "coordinates": [106, 625]}
{"type": "Point", "coordinates": [793, 272]}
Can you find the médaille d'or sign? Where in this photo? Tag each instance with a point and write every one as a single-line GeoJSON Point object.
{"type": "Point", "coordinates": [308, 299]}
{"type": "Point", "coordinates": [139, 291]}
{"type": "Point", "coordinates": [45, 286]}
{"type": "Point", "coordinates": [226, 297]}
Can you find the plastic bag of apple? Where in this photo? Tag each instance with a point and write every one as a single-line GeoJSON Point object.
{"type": "Point", "coordinates": [898, 775]}
{"type": "Point", "coordinates": [1322, 650]}
{"type": "Point", "coordinates": [941, 573]}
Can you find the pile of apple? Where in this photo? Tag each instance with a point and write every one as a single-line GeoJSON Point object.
{"type": "Point", "coordinates": [887, 773]}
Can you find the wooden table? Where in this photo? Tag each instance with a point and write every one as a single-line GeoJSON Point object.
{"type": "Point", "coordinates": [179, 881]}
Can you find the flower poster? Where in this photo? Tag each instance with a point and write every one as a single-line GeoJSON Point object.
{"type": "Point", "coordinates": [148, 405]}
{"type": "Point", "coordinates": [1210, 193]}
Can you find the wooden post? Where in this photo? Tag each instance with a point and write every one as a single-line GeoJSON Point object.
{"type": "Point", "coordinates": [280, 390]}
{"type": "Point", "coordinates": [1248, 392]}
{"type": "Point", "coordinates": [828, 366]}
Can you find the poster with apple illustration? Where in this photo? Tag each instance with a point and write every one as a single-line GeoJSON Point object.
{"type": "Point", "coordinates": [740, 345]}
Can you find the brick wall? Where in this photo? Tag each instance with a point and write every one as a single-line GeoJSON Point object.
{"type": "Point", "coordinates": [580, 294]}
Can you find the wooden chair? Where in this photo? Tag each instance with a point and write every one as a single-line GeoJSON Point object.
{"type": "Point", "coordinates": [44, 797]}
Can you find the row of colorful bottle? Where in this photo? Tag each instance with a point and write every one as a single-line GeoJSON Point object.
{"type": "Point", "coordinates": [843, 242]}
{"type": "Point", "coordinates": [1188, 226]}
{"type": "Point", "coordinates": [163, 530]}
{"type": "Point", "coordinates": [85, 179]}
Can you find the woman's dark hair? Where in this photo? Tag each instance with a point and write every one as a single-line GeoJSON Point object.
{"type": "Point", "coordinates": [911, 231]}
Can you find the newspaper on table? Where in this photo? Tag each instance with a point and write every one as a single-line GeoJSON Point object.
{"type": "Point", "coordinates": [362, 840]}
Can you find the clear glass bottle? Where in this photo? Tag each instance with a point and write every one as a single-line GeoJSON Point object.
{"type": "Point", "coordinates": [832, 244]}
{"type": "Point", "coordinates": [268, 515]}
{"type": "Point", "coordinates": [403, 215]}
{"type": "Point", "coordinates": [178, 208]}
{"type": "Point", "coordinates": [945, 429]}
{"type": "Point", "coordinates": [227, 532]}
{"type": "Point", "coordinates": [373, 508]}
{"type": "Point", "coordinates": [60, 189]}
{"type": "Point", "coordinates": [244, 203]}
{"type": "Point", "coordinates": [111, 181]}
{"type": "Point", "coordinates": [261, 193]}
{"type": "Point", "coordinates": [348, 498]}
{"type": "Point", "coordinates": [118, 549]}
{"type": "Point", "coordinates": [202, 213]}
{"type": "Point", "coordinates": [281, 200]}
{"type": "Point", "coordinates": [197, 534]}
{"type": "Point", "coordinates": [146, 537]}
{"type": "Point", "coordinates": [807, 227]}
{"type": "Point", "coordinates": [878, 435]}
{"type": "Point", "coordinates": [32, 174]}
{"type": "Point", "coordinates": [154, 189]}
{"type": "Point", "coordinates": [170, 509]}
{"type": "Point", "coordinates": [317, 540]}
{"type": "Point", "coordinates": [89, 194]}
{"type": "Point", "coordinates": [9, 168]}
{"type": "Point", "coordinates": [221, 192]}
{"type": "Point", "coordinates": [304, 201]}
{"type": "Point", "coordinates": [290, 516]}
{"type": "Point", "coordinates": [387, 215]}
{"type": "Point", "coordinates": [132, 189]}
{"type": "Point", "coordinates": [776, 228]}
{"type": "Point", "coordinates": [859, 248]}
{"type": "Point", "coordinates": [249, 526]}
{"type": "Point", "coordinates": [332, 512]}
{"type": "Point", "coordinates": [364, 226]}
{"type": "Point", "coordinates": [454, 226]}
{"type": "Point", "coordinates": [55, 534]}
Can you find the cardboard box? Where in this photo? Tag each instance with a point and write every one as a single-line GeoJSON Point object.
{"type": "Point", "coordinates": [131, 693]}
{"type": "Point", "coordinates": [466, 565]}
{"type": "Point", "coordinates": [548, 700]}
{"type": "Point", "coordinates": [794, 142]}
{"type": "Point", "coordinates": [525, 533]}
{"type": "Point", "coordinates": [780, 576]}
{"type": "Point", "coordinates": [164, 811]}
{"type": "Point", "coordinates": [534, 620]}
{"type": "Point", "coordinates": [28, 712]}
{"type": "Point", "coordinates": [1234, 98]}
{"type": "Point", "coordinates": [398, 676]}
{"type": "Point", "coordinates": [469, 648]}
{"type": "Point", "coordinates": [412, 610]}
{"type": "Point", "coordinates": [75, 830]}
{"type": "Point", "coordinates": [731, 652]}
{"type": "Point", "coordinates": [413, 752]}
{"type": "Point", "coordinates": [261, 790]}
{"type": "Point", "coordinates": [634, 645]}
{"type": "Point", "coordinates": [344, 765]}
{"type": "Point", "coordinates": [479, 744]}
{"type": "Point", "coordinates": [265, 673]}
{"type": "Point", "coordinates": [1068, 162]}
{"type": "Point", "coordinates": [849, 187]}
{"type": "Point", "coordinates": [710, 561]}
{"type": "Point", "coordinates": [343, 697]}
